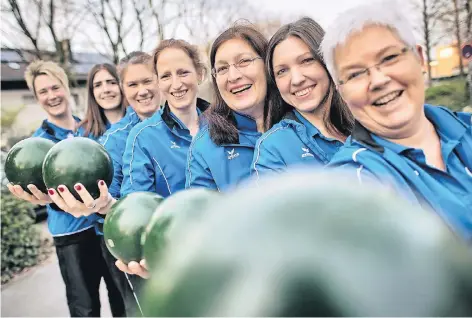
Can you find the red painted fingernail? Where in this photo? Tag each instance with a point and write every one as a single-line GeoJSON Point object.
{"type": "Point", "coordinates": [78, 187]}
{"type": "Point", "coordinates": [61, 189]}
{"type": "Point", "coordinates": [102, 182]}
{"type": "Point", "coordinates": [51, 191]}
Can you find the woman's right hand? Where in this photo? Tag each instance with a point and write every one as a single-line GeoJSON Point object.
{"type": "Point", "coordinates": [38, 197]}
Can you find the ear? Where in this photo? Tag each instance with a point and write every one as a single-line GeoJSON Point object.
{"type": "Point", "coordinates": [419, 52]}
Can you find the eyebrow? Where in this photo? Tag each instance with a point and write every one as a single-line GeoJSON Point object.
{"type": "Point", "coordinates": [298, 57]}
{"type": "Point", "coordinates": [237, 57]}
{"type": "Point", "coordinates": [377, 55]}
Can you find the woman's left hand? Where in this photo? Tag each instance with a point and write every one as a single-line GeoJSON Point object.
{"type": "Point", "coordinates": [67, 202]}
{"type": "Point", "coordinates": [134, 268]}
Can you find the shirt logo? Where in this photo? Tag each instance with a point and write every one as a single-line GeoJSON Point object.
{"type": "Point", "coordinates": [232, 154]}
{"type": "Point", "coordinates": [306, 153]}
{"type": "Point", "coordinates": [173, 145]}
{"type": "Point", "coordinates": [70, 135]}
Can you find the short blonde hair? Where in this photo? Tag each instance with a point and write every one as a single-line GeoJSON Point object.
{"type": "Point", "coordinates": [40, 67]}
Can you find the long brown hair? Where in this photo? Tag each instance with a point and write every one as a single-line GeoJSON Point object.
{"type": "Point", "coordinates": [95, 119]}
{"type": "Point", "coordinates": [338, 118]}
{"type": "Point", "coordinates": [220, 119]}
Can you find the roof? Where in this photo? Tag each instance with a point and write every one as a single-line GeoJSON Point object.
{"type": "Point", "coordinates": [14, 63]}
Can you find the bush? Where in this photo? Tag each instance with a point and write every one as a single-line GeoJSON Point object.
{"type": "Point", "coordinates": [21, 242]}
{"type": "Point", "coordinates": [451, 94]}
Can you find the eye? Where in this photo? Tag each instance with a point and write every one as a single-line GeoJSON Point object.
{"type": "Point", "coordinates": [113, 82]}
{"type": "Point", "coordinates": [222, 69]}
{"type": "Point", "coordinates": [244, 62]}
{"type": "Point", "coordinates": [390, 59]}
{"type": "Point", "coordinates": [356, 74]}
{"type": "Point", "coordinates": [55, 88]}
{"type": "Point", "coordinates": [308, 60]}
{"type": "Point", "coordinates": [132, 84]}
{"type": "Point", "coordinates": [281, 72]}
{"type": "Point", "coordinates": [147, 81]}
{"type": "Point", "coordinates": [165, 76]}
{"type": "Point", "coordinates": [96, 85]}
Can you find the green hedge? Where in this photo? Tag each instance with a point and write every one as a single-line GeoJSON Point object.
{"type": "Point", "coordinates": [21, 242]}
{"type": "Point", "coordinates": [451, 94]}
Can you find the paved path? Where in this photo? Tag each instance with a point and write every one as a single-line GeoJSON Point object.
{"type": "Point", "coordinates": [40, 292]}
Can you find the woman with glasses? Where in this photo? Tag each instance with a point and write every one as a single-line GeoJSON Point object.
{"type": "Point", "coordinates": [423, 152]}
{"type": "Point", "coordinates": [221, 153]}
{"type": "Point", "coordinates": [316, 121]}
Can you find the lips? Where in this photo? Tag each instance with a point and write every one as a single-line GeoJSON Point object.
{"type": "Point", "coordinates": [144, 100]}
{"type": "Point", "coordinates": [179, 94]}
{"type": "Point", "coordinates": [304, 91]}
{"type": "Point", "coordinates": [240, 89]}
{"type": "Point", "coordinates": [387, 98]}
{"type": "Point", "coordinates": [54, 104]}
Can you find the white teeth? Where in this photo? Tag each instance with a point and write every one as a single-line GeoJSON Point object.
{"type": "Point", "coordinates": [303, 92]}
{"type": "Point", "coordinates": [387, 98]}
{"type": "Point", "coordinates": [54, 104]}
{"type": "Point", "coordinates": [144, 101]}
{"type": "Point", "coordinates": [179, 94]}
{"type": "Point", "coordinates": [239, 89]}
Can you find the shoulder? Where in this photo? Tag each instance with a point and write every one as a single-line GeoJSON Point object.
{"type": "Point", "coordinates": [280, 132]}
{"type": "Point", "coordinates": [354, 153]}
{"type": "Point", "coordinates": [148, 126]}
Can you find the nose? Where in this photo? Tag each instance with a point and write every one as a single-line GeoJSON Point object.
{"type": "Point", "coordinates": [106, 87]}
{"type": "Point", "coordinates": [142, 90]}
{"type": "Point", "coordinates": [176, 82]}
{"type": "Point", "coordinates": [233, 74]}
{"type": "Point", "coordinates": [378, 79]}
{"type": "Point", "coordinates": [297, 77]}
{"type": "Point", "coordinates": [51, 94]}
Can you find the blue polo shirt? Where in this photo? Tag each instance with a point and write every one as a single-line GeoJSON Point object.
{"type": "Point", "coordinates": [114, 141]}
{"type": "Point", "coordinates": [219, 167]}
{"type": "Point", "coordinates": [294, 141]}
{"type": "Point", "coordinates": [61, 223]}
{"type": "Point", "coordinates": [156, 154]}
{"type": "Point", "coordinates": [448, 193]}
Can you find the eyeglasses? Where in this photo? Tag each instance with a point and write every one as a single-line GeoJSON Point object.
{"type": "Point", "coordinates": [241, 64]}
{"type": "Point", "coordinates": [362, 75]}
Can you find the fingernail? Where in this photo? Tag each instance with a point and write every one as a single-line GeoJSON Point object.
{"type": "Point", "coordinates": [102, 182]}
{"type": "Point", "coordinates": [78, 187]}
{"type": "Point", "coordinates": [51, 191]}
{"type": "Point", "coordinates": [61, 189]}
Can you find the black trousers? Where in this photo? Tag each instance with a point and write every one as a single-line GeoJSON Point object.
{"type": "Point", "coordinates": [82, 266]}
{"type": "Point", "coordinates": [129, 285]}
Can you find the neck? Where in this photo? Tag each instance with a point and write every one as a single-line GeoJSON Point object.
{"type": "Point", "coordinates": [256, 113]}
{"type": "Point", "coordinates": [113, 115]}
{"type": "Point", "coordinates": [188, 116]}
{"type": "Point", "coordinates": [65, 121]}
{"type": "Point", "coordinates": [419, 135]}
{"type": "Point", "coordinates": [316, 118]}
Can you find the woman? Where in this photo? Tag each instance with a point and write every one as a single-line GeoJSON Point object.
{"type": "Point", "coordinates": [316, 120]}
{"type": "Point", "coordinates": [156, 151]}
{"type": "Point", "coordinates": [105, 102]}
{"type": "Point", "coordinates": [140, 88]}
{"type": "Point", "coordinates": [421, 151]}
{"type": "Point", "coordinates": [222, 152]}
{"type": "Point", "coordinates": [77, 246]}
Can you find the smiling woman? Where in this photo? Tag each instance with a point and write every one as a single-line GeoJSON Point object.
{"type": "Point", "coordinates": [220, 155]}
{"type": "Point", "coordinates": [105, 102]}
{"type": "Point", "coordinates": [424, 152]}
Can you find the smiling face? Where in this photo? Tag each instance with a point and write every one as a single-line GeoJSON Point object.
{"type": "Point", "coordinates": [389, 102]}
{"type": "Point", "coordinates": [244, 89]}
{"type": "Point", "coordinates": [106, 90]}
{"type": "Point", "coordinates": [52, 96]}
{"type": "Point", "coordinates": [301, 79]}
{"type": "Point", "coordinates": [141, 89]}
{"type": "Point", "coordinates": [178, 78]}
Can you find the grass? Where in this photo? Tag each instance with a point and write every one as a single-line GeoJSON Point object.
{"type": "Point", "coordinates": [450, 93]}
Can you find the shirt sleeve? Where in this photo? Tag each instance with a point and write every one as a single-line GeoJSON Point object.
{"type": "Point", "coordinates": [137, 167]}
{"type": "Point", "coordinates": [198, 173]}
{"type": "Point", "coordinates": [117, 157]}
{"type": "Point", "coordinates": [266, 161]}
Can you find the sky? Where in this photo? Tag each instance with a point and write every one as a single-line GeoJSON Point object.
{"type": "Point", "coordinates": [323, 11]}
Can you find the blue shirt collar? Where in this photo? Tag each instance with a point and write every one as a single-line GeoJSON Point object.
{"type": "Point", "coordinates": [310, 128]}
{"type": "Point", "coordinates": [244, 123]}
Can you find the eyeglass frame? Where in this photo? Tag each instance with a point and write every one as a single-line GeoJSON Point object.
{"type": "Point", "coordinates": [365, 70]}
{"type": "Point", "coordinates": [214, 72]}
